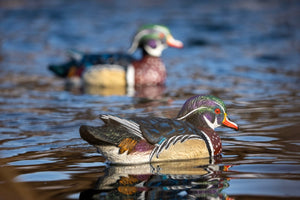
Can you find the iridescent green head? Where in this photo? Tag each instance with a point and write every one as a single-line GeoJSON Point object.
{"type": "Point", "coordinates": [153, 39]}
{"type": "Point", "coordinates": [205, 111]}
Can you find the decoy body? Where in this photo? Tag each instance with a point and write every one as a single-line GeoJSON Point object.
{"type": "Point", "coordinates": [190, 135]}
{"type": "Point", "coordinates": [122, 69]}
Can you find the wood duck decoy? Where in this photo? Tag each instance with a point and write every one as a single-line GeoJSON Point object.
{"type": "Point", "coordinates": [190, 135]}
{"type": "Point", "coordinates": [122, 69]}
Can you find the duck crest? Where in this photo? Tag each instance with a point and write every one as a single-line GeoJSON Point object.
{"type": "Point", "coordinates": [196, 103]}
{"type": "Point", "coordinates": [149, 70]}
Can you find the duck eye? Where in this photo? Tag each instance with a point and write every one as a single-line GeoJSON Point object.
{"type": "Point", "coordinates": [161, 35]}
{"type": "Point", "coordinates": [217, 111]}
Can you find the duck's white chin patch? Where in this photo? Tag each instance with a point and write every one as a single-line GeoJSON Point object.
{"type": "Point", "coordinates": [155, 51]}
{"type": "Point", "coordinates": [211, 125]}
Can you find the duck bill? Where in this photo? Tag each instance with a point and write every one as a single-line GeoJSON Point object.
{"type": "Point", "coordinates": [230, 124]}
{"type": "Point", "coordinates": [174, 43]}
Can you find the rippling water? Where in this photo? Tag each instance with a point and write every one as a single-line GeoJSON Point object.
{"type": "Point", "coordinates": [246, 53]}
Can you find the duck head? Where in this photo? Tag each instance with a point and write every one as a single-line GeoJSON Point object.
{"type": "Point", "coordinates": [153, 39]}
{"type": "Point", "coordinates": [205, 111]}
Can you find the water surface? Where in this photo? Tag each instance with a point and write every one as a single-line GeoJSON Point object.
{"type": "Point", "coordinates": [246, 53]}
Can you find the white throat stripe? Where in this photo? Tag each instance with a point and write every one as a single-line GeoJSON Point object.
{"type": "Point", "coordinates": [196, 109]}
{"type": "Point", "coordinates": [211, 125]}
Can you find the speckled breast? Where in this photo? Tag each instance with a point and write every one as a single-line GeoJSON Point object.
{"type": "Point", "coordinates": [149, 71]}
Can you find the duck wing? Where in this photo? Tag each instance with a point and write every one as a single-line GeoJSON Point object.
{"type": "Point", "coordinates": [172, 136]}
{"type": "Point", "coordinates": [153, 130]}
{"type": "Point", "coordinates": [80, 61]}
{"type": "Point", "coordinates": [121, 59]}
{"type": "Point", "coordinates": [156, 130]}
{"type": "Point", "coordinates": [114, 131]}
{"type": "Point", "coordinates": [164, 136]}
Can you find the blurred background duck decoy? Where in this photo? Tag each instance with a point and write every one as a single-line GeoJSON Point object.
{"type": "Point", "coordinates": [190, 135]}
{"type": "Point", "coordinates": [122, 69]}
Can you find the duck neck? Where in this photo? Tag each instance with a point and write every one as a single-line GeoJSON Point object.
{"type": "Point", "coordinates": [149, 70]}
{"type": "Point", "coordinates": [214, 138]}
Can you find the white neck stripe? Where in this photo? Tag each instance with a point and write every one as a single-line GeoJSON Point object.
{"type": "Point", "coordinates": [196, 109]}
{"type": "Point", "coordinates": [210, 145]}
{"type": "Point", "coordinates": [220, 106]}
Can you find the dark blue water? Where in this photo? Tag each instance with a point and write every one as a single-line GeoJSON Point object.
{"type": "Point", "coordinates": [245, 52]}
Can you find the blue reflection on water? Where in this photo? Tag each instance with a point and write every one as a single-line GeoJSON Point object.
{"type": "Point", "coordinates": [44, 176]}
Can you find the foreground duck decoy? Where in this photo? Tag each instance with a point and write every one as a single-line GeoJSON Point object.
{"type": "Point", "coordinates": [190, 135]}
{"type": "Point", "coordinates": [122, 69]}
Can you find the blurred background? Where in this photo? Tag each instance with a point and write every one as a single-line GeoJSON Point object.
{"type": "Point", "coordinates": [245, 52]}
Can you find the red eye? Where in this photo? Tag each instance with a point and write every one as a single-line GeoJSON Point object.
{"type": "Point", "coordinates": [161, 35]}
{"type": "Point", "coordinates": [217, 111]}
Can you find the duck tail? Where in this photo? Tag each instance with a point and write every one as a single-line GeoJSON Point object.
{"type": "Point", "coordinates": [62, 70]}
{"type": "Point", "coordinates": [106, 135]}
{"type": "Point", "coordinates": [94, 135]}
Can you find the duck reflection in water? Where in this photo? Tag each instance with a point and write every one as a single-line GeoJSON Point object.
{"type": "Point", "coordinates": [144, 92]}
{"type": "Point", "coordinates": [193, 179]}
